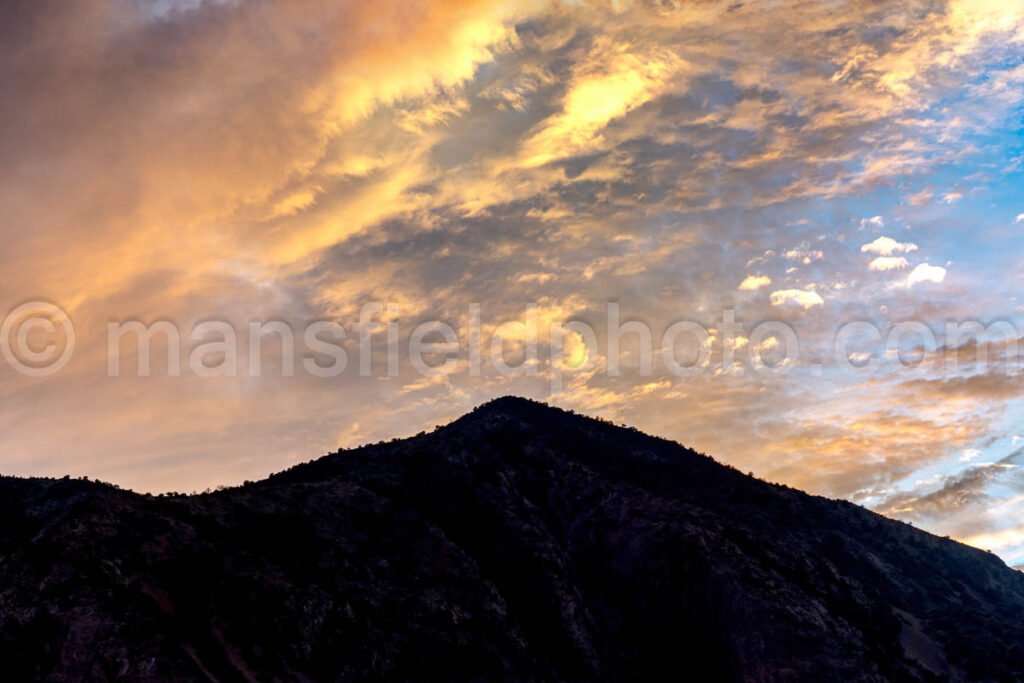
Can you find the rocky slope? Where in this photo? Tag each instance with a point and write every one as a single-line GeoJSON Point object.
{"type": "Point", "coordinates": [519, 543]}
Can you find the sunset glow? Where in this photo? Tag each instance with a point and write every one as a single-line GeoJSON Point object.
{"type": "Point", "coordinates": [504, 169]}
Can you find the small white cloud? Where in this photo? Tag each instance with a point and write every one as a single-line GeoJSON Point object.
{"type": "Point", "coordinates": [970, 454]}
{"type": "Point", "coordinates": [926, 273]}
{"type": "Point", "coordinates": [803, 298]}
{"type": "Point", "coordinates": [873, 222]}
{"type": "Point", "coordinates": [754, 282]}
{"type": "Point", "coordinates": [804, 254]}
{"type": "Point", "coordinates": [952, 197]}
{"type": "Point", "coordinates": [1020, 217]}
{"type": "Point", "coordinates": [884, 264]}
{"type": "Point", "coordinates": [887, 246]}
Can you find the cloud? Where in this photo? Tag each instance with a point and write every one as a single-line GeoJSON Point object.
{"type": "Point", "coordinates": [878, 443]}
{"type": "Point", "coordinates": [887, 263]}
{"type": "Point", "coordinates": [991, 387]}
{"type": "Point", "coordinates": [921, 198]}
{"type": "Point", "coordinates": [804, 254]}
{"type": "Point", "coordinates": [970, 455]}
{"type": "Point", "coordinates": [926, 273]}
{"type": "Point", "coordinates": [965, 494]}
{"type": "Point", "coordinates": [233, 124]}
{"type": "Point", "coordinates": [996, 540]}
{"type": "Point", "coordinates": [887, 246]}
{"type": "Point", "coordinates": [1020, 218]}
{"type": "Point", "coordinates": [613, 80]}
{"type": "Point", "coordinates": [873, 222]}
{"type": "Point", "coordinates": [952, 197]}
{"type": "Point", "coordinates": [520, 93]}
{"type": "Point", "coordinates": [803, 298]}
{"type": "Point", "coordinates": [539, 278]}
{"type": "Point", "coordinates": [754, 282]}
{"type": "Point", "coordinates": [295, 202]}
{"type": "Point", "coordinates": [763, 258]}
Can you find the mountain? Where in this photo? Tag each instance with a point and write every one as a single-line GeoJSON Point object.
{"type": "Point", "coordinates": [518, 543]}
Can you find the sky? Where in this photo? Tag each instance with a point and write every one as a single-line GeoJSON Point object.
{"type": "Point", "coordinates": [841, 171]}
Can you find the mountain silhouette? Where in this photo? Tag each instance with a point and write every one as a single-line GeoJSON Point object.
{"type": "Point", "coordinates": [518, 543]}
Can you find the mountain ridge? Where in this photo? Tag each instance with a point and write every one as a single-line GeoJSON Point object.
{"type": "Point", "coordinates": [518, 542]}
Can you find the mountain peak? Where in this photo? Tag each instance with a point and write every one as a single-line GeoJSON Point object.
{"type": "Point", "coordinates": [542, 547]}
{"type": "Point", "coordinates": [512, 403]}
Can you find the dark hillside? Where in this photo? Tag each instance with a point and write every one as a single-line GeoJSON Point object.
{"type": "Point", "coordinates": [518, 543]}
